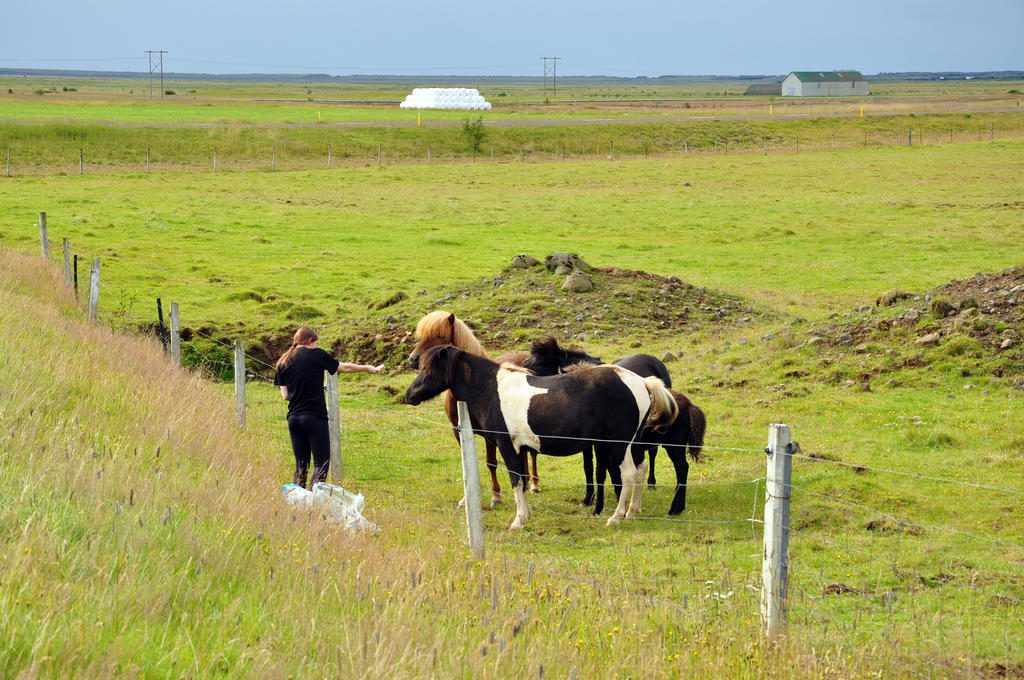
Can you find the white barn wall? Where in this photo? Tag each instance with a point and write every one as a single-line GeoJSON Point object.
{"type": "Point", "coordinates": [792, 86]}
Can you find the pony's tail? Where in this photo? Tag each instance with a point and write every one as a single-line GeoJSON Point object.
{"type": "Point", "coordinates": [698, 423]}
{"type": "Point", "coordinates": [664, 408]}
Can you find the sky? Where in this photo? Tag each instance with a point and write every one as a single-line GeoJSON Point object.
{"type": "Point", "coordinates": [460, 37]}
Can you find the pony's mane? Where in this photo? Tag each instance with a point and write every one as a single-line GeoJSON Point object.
{"type": "Point", "coordinates": [580, 366]}
{"type": "Point", "coordinates": [515, 368]}
{"type": "Point", "coordinates": [546, 346]}
{"type": "Point", "coordinates": [550, 347]}
{"type": "Point", "coordinates": [435, 325]}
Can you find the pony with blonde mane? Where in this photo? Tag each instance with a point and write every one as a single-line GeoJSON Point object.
{"type": "Point", "coordinates": [443, 328]}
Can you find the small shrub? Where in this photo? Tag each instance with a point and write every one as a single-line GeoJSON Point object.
{"type": "Point", "coordinates": [168, 91]}
{"type": "Point", "coordinates": [475, 134]}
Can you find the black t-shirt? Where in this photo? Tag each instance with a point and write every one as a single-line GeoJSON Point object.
{"type": "Point", "coordinates": [304, 377]}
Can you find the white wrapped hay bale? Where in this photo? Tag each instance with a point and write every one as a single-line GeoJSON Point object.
{"type": "Point", "coordinates": [452, 98]}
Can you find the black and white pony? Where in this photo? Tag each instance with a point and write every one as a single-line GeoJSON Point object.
{"type": "Point", "coordinates": [605, 406]}
{"type": "Point", "coordinates": [685, 435]}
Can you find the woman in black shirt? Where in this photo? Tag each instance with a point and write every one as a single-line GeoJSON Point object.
{"type": "Point", "coordinates": [300, 375]}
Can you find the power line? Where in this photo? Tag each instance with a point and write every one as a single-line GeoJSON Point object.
{"type": "Point", "coordinates": [160, 54]}
{"type": "Point", "coordinates": [553, 70]}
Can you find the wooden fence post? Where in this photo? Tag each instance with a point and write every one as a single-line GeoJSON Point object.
{"type": "Point", "coordinates": [74, 266]}
{"type": "Point", "coordinates": [240, 382]}
{"type": "Point", "coordinates": [380, 154]}
{"type": "Point", "coordinates": [42, 235]}
{"type": "Point", "coordinates": [94, 289]}
{"type": "Point", "coordinates": [174, 320]}
{"type": "Point", "coordinates": [428, 155]}
{"type": "Point", "coordinates": [334, 426]}
{"type": "Point", "coordinates": [775, 567]}
{"type": "Point", "coordinates": [991, 132]}
{"type": "Point", "coordinates": [8, 161]}
{"type": "Point", "coordinates": [273, 160]}
{"type": "Point", "coordinates": [147, 160]}
{"type": "Point", "coordinates": [215, 160]}
{"type": "Point", "coordinates": [611, 149]}
{"type": "Point", "coordinates": [67, 262]}
{"type": "Point", "coordinates": [910, 138]}
{"type": "Point", "coordinates": [328, 156]}
{"type": "Point", "coordinates": [81, 162]}
{"type": "Point", "coordinates": [471, 483]}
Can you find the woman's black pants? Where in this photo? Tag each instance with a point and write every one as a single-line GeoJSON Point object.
{"type": "Point", "coordinates": [310, 434]}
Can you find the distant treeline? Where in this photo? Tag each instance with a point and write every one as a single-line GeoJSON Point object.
{"type": "Point", "coordinates": [948, 75]}
{"type": "Point", "coordinates": [490, 80]}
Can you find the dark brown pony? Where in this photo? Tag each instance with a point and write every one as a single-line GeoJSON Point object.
{"type": "Point", "coordinates": [442, 328]}
{"type": "Point", "coordinates": [684, 435]}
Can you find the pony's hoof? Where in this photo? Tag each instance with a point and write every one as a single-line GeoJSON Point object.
{"type": "Point", "coordinates": [535, 489]}
{"type": "Point", "coordinates": [612, 521]}
{"type": "Point", "coordinates": [496, 501]}
{"type": "Point", "coordinates": [515, 526]}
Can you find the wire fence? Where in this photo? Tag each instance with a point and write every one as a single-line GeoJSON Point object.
{"type": "Point", "coordinates": [945, 592]}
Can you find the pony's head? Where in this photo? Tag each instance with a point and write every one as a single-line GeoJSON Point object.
{"type": "Point", "coordinates": [435, 375]}
{"type": "Point", "coordinates": [442, 328]}
{"type": "Point", "coordinates": [547, 358]}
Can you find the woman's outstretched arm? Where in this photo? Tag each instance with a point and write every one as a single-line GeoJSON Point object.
{"type": "Point", "coordinates": [358, 368]}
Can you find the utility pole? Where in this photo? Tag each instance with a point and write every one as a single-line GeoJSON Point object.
{"type": "Point", "coordinates": [553, 70]}
{"type": "Point", "coordinates": [160, 64]}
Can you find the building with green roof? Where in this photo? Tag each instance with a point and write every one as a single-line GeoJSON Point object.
{"type": "Point", "coordinates": [824, 84]}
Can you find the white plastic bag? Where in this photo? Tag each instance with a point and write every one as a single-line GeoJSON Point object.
{"type": "Point", "coordinates": [335, 502]}
{"type": "Point", "coordinates": [338, 499]}
{"type": "Point", "coordinates": [297, 496]}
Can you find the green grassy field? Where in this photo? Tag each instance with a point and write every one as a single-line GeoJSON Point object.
{"type": "Point", "coordinates": [120, 559]}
